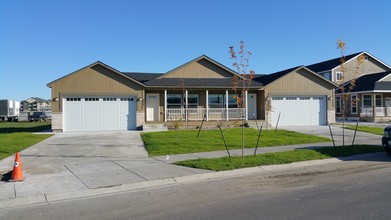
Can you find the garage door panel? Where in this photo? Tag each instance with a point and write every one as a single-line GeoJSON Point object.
{"type": "Point", "coordinates": [98, 113]}
{"type": "Point", "coordinates": [300, 110]}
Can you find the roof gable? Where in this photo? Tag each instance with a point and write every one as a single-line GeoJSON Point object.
{"type": "Point", "coordinates": [97, 63]}
{"type": "Point", "coordinates": [201, 67]}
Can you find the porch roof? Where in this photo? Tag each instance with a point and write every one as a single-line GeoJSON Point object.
{"type": "Point", "coordinates": [196, 83]}
{"type": "Point", "coordinates": [370, 82]}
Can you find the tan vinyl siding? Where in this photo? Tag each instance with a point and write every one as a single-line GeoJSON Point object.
{"type": "Point", "coordinates": [388, 78]}
{"type": "Point", "coordinates": [369, 66]}
{"type": "Point", "coordinates": [94, 81]}
{"type": "Point", "coordinates": [199, 69]}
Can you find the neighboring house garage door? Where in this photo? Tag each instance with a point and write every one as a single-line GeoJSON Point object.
{"type": "Point", "coordinates": [99, 113]}
{"type": "Point", "coordinates": [299, 110]}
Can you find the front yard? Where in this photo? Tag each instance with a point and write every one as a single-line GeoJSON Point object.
{"type": "Point", "coordinates": [16, 136]}
{"type": "Point", "coordinates": [183, 141]}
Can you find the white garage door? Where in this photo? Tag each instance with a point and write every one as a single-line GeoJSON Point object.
{"type": "Point", "coordinates": [299, 110]}
{"type": "Point", "coordinates": [99, 113]}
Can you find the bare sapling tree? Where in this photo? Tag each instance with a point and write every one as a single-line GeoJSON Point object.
{"type": "Point", "coordinates": [345, 88]}
{"type": "Point", "coordinates": [241, 83]}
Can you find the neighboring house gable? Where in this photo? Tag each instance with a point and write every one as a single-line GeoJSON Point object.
{"type": "Point", "coordinates": [331, 69]}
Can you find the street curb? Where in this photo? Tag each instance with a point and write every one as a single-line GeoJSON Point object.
{"type": "Point", "coordinates": [64, 196]}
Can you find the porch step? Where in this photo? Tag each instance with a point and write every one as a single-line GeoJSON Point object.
{"type": "Point", "coordinates": [155, 127]}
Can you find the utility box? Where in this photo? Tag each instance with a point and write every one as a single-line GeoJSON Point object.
{"type": "Point", "coordinates": [9, 110]}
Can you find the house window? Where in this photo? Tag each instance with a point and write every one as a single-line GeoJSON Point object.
{"type": "Point", "coordinates": [192, 100]}
{"type": "Point", "coordinates": [174, 101]}
{"type": "Point", "coordinates": [216, 100]}
{"type": "Point", "coordinates": [353, 104]}
{"type": "Point", "coordinates": [339, 76]}
{"type": "Point", "coordinates": [338, 104]}
{"type": "Point", "coordinates": [367, 101]}
{"type": "Point", "coordinates": [231, 101]}
{"type": "Point", "coordinates": [378, 100]}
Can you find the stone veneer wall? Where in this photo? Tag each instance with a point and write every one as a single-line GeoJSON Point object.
{"type": "Point", "coordinates": [140, 119]}
{"type": "Point", "coordinates": [57, 122]}
{"type": "Point", "coordinates": [331, 116]}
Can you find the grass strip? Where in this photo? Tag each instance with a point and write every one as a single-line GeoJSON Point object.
{"type": "Point", "coordinates": [183, 141]}
{"type": "Point", "coordinates": [367, 129]}
{"type": "Point", "coordinates": [223, 163]}
{"type": "Point", "coordinates": [16, 136]}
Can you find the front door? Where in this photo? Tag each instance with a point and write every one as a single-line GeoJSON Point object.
{"type": "Point", "coordinates": [252, 106]}
{"type": "Point", "coordinates": [152, 106]}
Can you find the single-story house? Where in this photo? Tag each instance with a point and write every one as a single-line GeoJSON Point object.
{"type": "Point", "coordinates": [99, 97]}
{"type": "Point", "coordinates": [369, 100]}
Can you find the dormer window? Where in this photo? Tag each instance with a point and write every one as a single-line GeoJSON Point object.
{"type": "Point", "coordinates": [339, 76]}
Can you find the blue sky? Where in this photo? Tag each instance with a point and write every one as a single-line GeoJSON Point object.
{"type": "Point", "coordinates": [43, 40]}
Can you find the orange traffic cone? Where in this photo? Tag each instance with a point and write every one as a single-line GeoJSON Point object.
{"type": "Point", "coordinates": [17, 174]}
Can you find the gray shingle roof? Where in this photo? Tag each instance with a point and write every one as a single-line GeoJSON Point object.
{"type": "Point", "coordinates": [329, 64]}
{"type": "Point", "coordinates": [266, 79]}
{"type": "Point", "coordinates": [143, 77]}
{"type": "Point", "coordinates": [369, 82]}
{"type": "Point", "coordinates": [196, 82]}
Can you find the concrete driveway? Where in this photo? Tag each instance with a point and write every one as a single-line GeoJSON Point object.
{"type": "Point", "coordinates": [324, 131]}
{"type": "Point", "coordinates": [75, 161]}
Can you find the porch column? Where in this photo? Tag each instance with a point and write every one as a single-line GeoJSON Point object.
{"type": "Point", "coordinates": [374, 106]}
{"type": "Point", "coordinates": [226, 103]}
{"type": "Point", "coordinates": [246, 99]}
{"type": "Point", "coordinates": [165, 105]}
{"type": "Point", "coordinates": [207, 105]}
{"type": "Point", "coordinates": [186, 104]}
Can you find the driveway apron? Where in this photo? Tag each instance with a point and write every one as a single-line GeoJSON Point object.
{"type": "Point", "coordinates": [72, 161]}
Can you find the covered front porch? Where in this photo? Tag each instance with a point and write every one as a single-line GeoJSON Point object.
{"type": "Point", "coordinates": [197, 105]}
{"type": "Point", "coordinates": [376, 107]}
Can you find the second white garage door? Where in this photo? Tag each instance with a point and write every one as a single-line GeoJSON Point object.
{"type": "Point", "coordinates": [299, 110]}
{"type": "Point", "coordinates": [99, 113]}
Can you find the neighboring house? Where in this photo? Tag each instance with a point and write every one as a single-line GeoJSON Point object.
{"type": "Point", "coordinates": [369, 100]}
{"type": "Point", "coordinates": [99, 97]}
{"type": "Point", "coordinates": [368, 95]}
{"type": "Point", "coordinates": [35, 104]}
{"type": "Point", "coordinates": [331, 69]}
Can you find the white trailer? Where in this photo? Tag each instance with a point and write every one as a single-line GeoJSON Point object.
{"type": "Point", "coordinates": [9, 110]}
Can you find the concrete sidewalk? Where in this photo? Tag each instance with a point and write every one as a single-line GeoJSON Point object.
{"type": "Point", "coordinates": [74, 165]}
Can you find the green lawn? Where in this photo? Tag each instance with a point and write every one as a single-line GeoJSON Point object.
{"type": "Point", "coordinates": [224, 163]}
{"type": "Point", "coordinates": [368, 129]}
{"type": "Point", "coordinates": [16, 136]}
{"type": "Point", "coordinates": [182, 141]}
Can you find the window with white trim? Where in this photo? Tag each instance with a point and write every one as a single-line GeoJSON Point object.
{"type": "Point", "coordinates": [216, 101]}
{"type": "Point", "coordinates": [339, 76]}
{"type": "Point", "coordinates": [192, 100]}
{"type": "Point", "coordinates": [379, 100]}
{"type": "Point", "coordinates": [174, 101]}
{"type": "Point", "coordinates": [338, 104]}
{"type": "Point", "coordinates": [353, 104]}
{"type": "Point", "coordinates": [367, 101]}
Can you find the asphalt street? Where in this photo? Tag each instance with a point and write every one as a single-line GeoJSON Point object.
{"type": "Point", "coordinates": [357, 189]}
